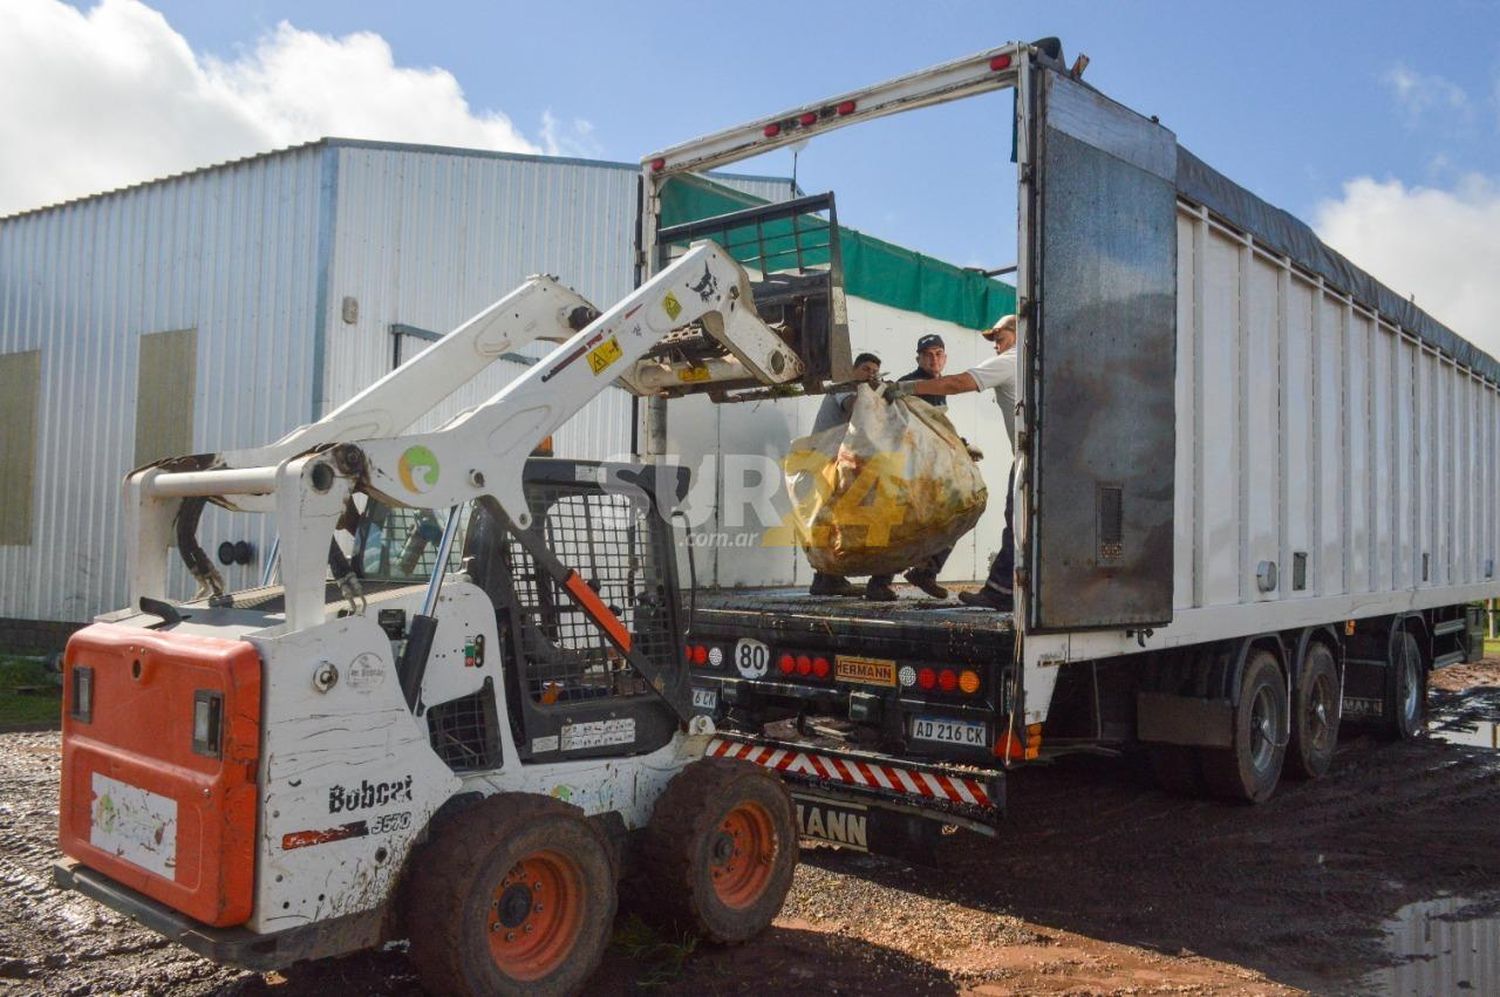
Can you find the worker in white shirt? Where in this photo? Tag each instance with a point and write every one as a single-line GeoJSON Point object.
{"type": "Point", "coordinates": [999, 373]}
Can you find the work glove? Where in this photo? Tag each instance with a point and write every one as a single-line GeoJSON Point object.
{"type": "Point", "coordinates": [975, 454]}
{"type": "Point", "coordinates": [892, 390]}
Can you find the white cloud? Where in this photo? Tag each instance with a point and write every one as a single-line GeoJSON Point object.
{"type": "Point", "coordinates": [573, 139]}
{"type": "Point", "coordinates": [95, 100]}
{"type": "Point", "coordinates": [1438, 244]}
{"type": "Point", "coordinates": [1421, 96]}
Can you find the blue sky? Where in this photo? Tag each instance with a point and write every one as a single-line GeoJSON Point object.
{"type": "Point", "coordinates": [1291, 99]}
{"type": "Point", "coordinates": [1379, 122]}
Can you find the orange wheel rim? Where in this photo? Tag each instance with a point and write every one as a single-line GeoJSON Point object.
{"type": "Point", "coordinates": [535, 914]}
{"type": "Point", "coordinates": [742, 855]}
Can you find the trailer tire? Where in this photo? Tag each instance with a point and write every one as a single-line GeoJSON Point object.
{"type": "Point", "coordinates": [1177, 768]}
{"type": "Point", "coordinates": [515, 895]}
{"type": "Point", "coordinates": [718, 854]}
{"type": "Point", "coordinates": [1406, 688]}
{"type": "Point", "coordinates": [1317, 707]}
{"type": "Point", "coordinates": [1250, 768]}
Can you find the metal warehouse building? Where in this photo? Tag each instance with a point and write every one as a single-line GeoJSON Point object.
{"type": "Point", "coordinates": [222, 307]}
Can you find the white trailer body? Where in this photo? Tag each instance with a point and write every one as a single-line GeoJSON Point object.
{"type": "Point", "coordinates": [1254, 489]}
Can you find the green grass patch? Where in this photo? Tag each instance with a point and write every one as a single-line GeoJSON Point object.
{"type": "Point", "coordinates": [1492, 647]}
{"type": "Point", "coordinates": [662, 958]}
{"type": "Point", "coordinates": [28, 695]}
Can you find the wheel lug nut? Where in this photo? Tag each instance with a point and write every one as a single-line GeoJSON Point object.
{"type": "Point", "coordinates": [510, 936]}
{"type": "Point", "coordinates": [527, 928]}
{"type": "Point", "coordinates": [537, 887]}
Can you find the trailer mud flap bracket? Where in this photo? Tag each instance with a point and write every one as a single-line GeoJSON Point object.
{"type": "Point", "coordinates": [971, 798]}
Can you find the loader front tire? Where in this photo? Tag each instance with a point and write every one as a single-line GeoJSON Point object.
{"type": "Point", "coordinates": [515, 895]}
{"type": "Point", "coordinates": [718, 854]}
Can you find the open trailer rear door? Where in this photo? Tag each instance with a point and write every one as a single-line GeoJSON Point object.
{"type": "Point", "coordinates": [1101, 224]}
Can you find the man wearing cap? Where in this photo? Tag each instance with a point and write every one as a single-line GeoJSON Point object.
{"type": "Point", "coordinates": [997, 372]}
{"type": "Point", "coordinates": [932, 357]}
{"type": "Point", "coordinates": [835, 410]}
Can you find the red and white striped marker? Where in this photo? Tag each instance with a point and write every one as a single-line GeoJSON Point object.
{"type": "Point", "coordinates": [913, 782]}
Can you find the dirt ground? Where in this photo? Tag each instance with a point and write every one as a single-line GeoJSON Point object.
{"type": "Point", "coordinates": [1100, 884]}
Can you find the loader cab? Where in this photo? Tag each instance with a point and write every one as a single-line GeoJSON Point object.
{"type": "Point", "coordinates": [568, 692]}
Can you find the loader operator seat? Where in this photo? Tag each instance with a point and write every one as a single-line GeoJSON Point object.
{"type": "Point", "coordinates": [536, 689]}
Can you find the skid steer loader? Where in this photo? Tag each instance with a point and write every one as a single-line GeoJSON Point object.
{"type": "Point", "coordinates": [465, 706]}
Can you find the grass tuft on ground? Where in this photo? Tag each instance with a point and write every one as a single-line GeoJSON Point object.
{"type": "Point", "coordinates": [29, 696]}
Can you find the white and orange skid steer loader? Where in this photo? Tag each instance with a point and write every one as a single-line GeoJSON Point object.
{"type": "Point", "coordinates": [457, 734]}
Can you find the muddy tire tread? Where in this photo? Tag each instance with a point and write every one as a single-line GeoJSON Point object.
{"type": "Point", "coordinates": [667, 871]}
{"type": "Point", "coordinates": [444, 869]}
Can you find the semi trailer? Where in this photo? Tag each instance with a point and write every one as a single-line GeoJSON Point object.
{"type": "Point", "coordinates": [1254, 491]}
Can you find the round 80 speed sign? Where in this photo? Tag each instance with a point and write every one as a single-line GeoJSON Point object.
{"type": "Point", "coordinates": [752, 658]}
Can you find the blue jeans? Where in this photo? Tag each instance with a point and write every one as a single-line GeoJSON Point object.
{"type": "Point", "coordinates": [1003, 567]}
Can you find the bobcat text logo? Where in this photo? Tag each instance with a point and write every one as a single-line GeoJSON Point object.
{"type": "Point", "coordinates": [342, 799]}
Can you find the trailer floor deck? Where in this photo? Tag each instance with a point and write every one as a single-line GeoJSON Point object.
{"type": "Point", "coordinates": [913, 608]}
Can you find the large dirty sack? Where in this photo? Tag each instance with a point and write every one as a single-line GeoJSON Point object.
{"type": "Point", "coordinates": [878, 495]}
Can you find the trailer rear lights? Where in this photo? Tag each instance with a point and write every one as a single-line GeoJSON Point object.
{"type": "Point", "coordinates": [1000, 62]}
{"type": "Point", "coordinates": [820, 667]}
{"type": "Point", "coordinates": [1027, 745]}
{"type": "Point", "coordinates": [845, 107]}
{"type": "Point", "coordinates": [908, 676]}
{"type": "Point", "coordinates": [83, 694]}
{"type": "Point", "coordinates": [786, 664]}
{"type": "Point", "coordinates": [947, 680]}
{"type": "Point", "coordinates": [700, 655]}
{"type": "Point", "coordinates": [804, 665]}
{"type": "Point", "coordinates": [771, 130]}
{"type": "Point", "coordinates": [968, 681]}
{"type": "Point", "coordinates": [807, 118]}
{"type": "Point", "coordinates": [658, 164]}
{"type": "Point", "coordinates": [926, 678]}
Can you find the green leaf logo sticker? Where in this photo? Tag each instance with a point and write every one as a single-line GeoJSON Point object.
{"type": "Point", "coordinates": [418, 468]}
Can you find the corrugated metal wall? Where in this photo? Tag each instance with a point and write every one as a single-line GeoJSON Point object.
{"type": "Point", "coordinates": [1307, 426]}
{"type": "Point", "coordinates": [428, 237]}
{"type": "Point", "coordinates": [229, 252]}
{"type": "Point", "coordinates": [235, 255]}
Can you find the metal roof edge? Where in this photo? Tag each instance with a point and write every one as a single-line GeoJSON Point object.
{"type": "Point", "coordinates": [335, 142]}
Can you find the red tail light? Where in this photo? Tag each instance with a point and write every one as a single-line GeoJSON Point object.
{"type": "Point", "coordinates": [804, 665]}
{"type": "Point", "coordinates": [947, 680]}
{"type": "Point", "coordinates": [1000, 62]}
{"type": "Point", "coordinates": [847, 107]}
{"type": "Point", "coordinates": [771, 130]}
{"type": "Point", "coordinates": [926, 678]}
{"type": "Point", "coordinates": [786, 664]}
{"type": "Point", "coordinates": [820, 667]}
{"type": "Point", "coordinates": [700, 654]}
{"type": "Point", "coordinates": [807, 118]}
{"type": "Point", "coordinates": [658, 164]}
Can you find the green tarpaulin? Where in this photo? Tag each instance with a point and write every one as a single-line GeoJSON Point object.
{"type": "Point", "coordinates": [874, 270]}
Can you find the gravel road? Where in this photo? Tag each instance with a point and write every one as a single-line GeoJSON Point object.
{"type": "Point", "coordinates": [1100, 884]}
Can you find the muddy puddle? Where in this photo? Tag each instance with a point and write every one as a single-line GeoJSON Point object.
{"type": "Point", "coordinates": [1450, 945]}
{"type": "Point", "coordinates": [1471, 719]}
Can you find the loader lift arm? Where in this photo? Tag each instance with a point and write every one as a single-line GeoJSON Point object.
{"type": "Point", "coordinates": [309, 476]}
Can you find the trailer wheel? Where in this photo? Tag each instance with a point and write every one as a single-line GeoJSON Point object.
{"type": "Point", "coordinates": [1317, 707]}
{"type": "Point", "coordinates": [1177, 769]}
{"type": "Point", "coordinates": [718, 854]}
{"type": "Point", "coordinates": [514, 895]}
{"type": "Point", "coordinates": [1406, 688]}
{"type": "Point", "coordinates": [1250, 768]}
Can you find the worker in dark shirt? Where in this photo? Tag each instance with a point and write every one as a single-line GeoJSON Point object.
{"type": "Point", "coordinates": [932, 357]}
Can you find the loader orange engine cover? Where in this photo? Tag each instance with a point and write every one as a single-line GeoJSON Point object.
{"type": "Point", "coordinates": [161, 744]}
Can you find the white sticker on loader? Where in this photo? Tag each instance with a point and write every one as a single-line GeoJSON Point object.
{"type": "Point", "coordinates": [135, 824]}
{"type": "Point", "coordinates": [597, 734]}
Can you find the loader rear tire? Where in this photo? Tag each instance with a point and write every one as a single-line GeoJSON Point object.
{"type": "Point", "coordinates": [1249, 769]}
{"type": "Point", "coordinates": [515, 895]}
{"type": "Point", "coordinates": [718, 854]}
